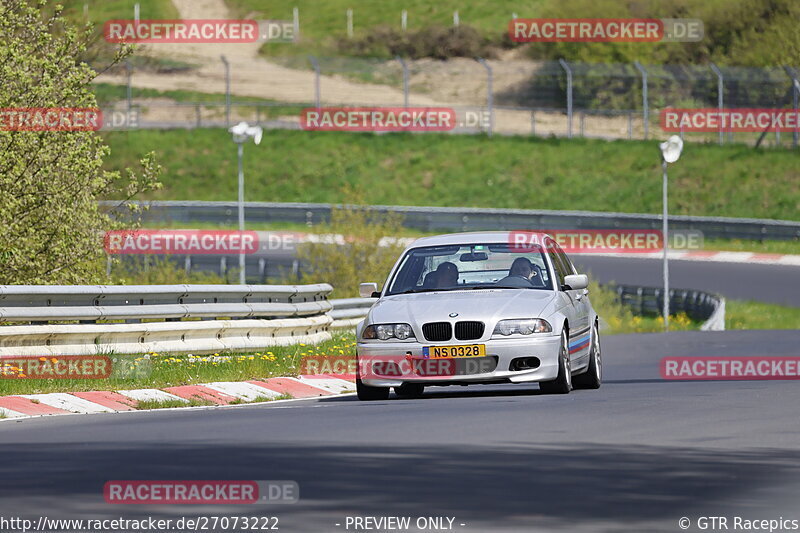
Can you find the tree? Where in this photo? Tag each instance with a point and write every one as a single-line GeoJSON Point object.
{"type": "Point", "coordinates": [50, 181]}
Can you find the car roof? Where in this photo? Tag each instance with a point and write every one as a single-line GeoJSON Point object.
{"type": "Point", "coordinates": [475, 237]}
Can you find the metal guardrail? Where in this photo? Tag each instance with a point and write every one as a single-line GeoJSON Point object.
{"type": "Point", "coordinates": [230, 317]}
{"type": "Point", "coordinates": [442, 219]}
{"type": "Point", "coordinates": [136, 302]}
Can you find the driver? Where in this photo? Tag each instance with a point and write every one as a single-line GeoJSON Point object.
{"type": "Point", "coordinates": [521, 274]}
{"type": "Point", "coordinates": [446, 275]}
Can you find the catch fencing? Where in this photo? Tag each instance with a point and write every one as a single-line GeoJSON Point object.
{"type": "Point", "coordinates": [519, 97]}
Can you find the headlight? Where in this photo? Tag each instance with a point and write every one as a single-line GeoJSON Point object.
{"type": "Point", "coordinates": [522, 326]}
{"type": "Point", "coordinates": [388, 331]}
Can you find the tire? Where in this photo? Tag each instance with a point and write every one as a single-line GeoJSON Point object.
{"type": "Point", "coordinates": [410, 390]}
{"type": "Point", "coordinates": [593, 377]}
{"type": "Point", "coordinates": [563, 383]}
{"type": "Point", "coordinates": [367, 393]}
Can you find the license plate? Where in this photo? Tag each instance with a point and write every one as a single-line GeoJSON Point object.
{"type": "Point", "coordinates": [467, 350]}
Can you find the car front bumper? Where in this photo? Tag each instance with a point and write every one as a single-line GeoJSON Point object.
{"type": "Point", "coordinates": [412, 367]}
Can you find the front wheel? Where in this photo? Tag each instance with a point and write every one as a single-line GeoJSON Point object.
{"type": "Point", "coordinates": [563, 383]}
{"type": "Point", "coordinates": [593, 377]}
{"type": "Point", "coordinates": [367, 393]}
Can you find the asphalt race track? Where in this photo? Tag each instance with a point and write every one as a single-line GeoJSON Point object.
{"type": "Point", "coordinates": [636, 455]}
{"type": "Point", "coordinates": [739, 281]}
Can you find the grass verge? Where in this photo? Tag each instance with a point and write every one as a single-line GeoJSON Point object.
{"type": "Point", "coordinates": [756, 315]}
{"type": "Point", "coordinates": [168, 370]}
{"type": "Point", "coordinates": [469, 171]}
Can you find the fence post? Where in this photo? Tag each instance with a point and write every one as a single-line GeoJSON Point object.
{"type": "Point", "coordinates": [795, 93]}
{"type": "Point", "coordinates": [349, 22]}
{"type": "Point", "coordinates": [489, 98]}
{"type": "Point", "coordinates": [456, 20]}
{"type": "Point", "coordinates": [720, 101]}
{"type": "Point", "coordinates": [296, 23]}
{"type": "Point", "coordinates": [129, 88]}
{"type": "Point", "coordinates": [568, 70]}
{"type": "Point", "coordinates": [645, 108]}
{"type": "Point", "coordinates": [227, 90]}
{"type": "Point", "coordinates": [533, 122]}
{"type": "Point", "coordinates": [405, 80]}
{"type": "Point", "coordinates": [404, 19]}
{"type": "Point", "coordinates": [315, 64]}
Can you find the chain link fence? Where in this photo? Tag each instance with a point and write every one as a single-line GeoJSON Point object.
{"type": "Point", "coordinates": [516, 97]}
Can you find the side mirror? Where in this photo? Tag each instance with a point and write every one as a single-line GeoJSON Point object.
{"type": "Point", "coordinates": [576, 281]}
{"type": "Point", "coordinates": [368, 290]}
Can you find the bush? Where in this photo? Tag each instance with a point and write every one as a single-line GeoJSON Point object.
{"type": "Point", "coordinates": [366, 254]}
{"type": "Point", "coordinates": [438, 42]}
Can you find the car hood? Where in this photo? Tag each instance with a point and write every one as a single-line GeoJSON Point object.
{"type": "Point", "coordinates": [487, 305]}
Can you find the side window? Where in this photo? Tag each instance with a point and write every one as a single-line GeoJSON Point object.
{"type": "Point", "coordinates": [569, 267]}
{"type": "Point", "coordinates": [558, 264]}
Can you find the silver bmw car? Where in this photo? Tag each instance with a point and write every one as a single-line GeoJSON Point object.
{"type": "Point", "coordinates": [486, 307]}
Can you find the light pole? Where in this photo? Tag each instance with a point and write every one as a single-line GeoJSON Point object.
{"type": "Point", "coordinates": [241, 132]}
{"type": "Point", "coordinates": [670, 152]}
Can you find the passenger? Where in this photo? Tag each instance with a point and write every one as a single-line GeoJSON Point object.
{"type": "Point", "coordinates": [446, 275]}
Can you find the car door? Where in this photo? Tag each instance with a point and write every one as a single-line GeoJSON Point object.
{"type": "Point", "coordinates": [580, 330]}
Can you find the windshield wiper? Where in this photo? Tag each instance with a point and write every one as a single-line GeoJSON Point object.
{"type": "Point", "coordinates": [412, 291]}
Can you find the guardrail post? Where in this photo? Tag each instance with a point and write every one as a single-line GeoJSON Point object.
{"type": "Point", "coordinates": [645, 107]}
{"type": "Point", "coordinates": [720, 101]}
{"type": "Point", "coordinates": [227, 90]}
{"type": "Point", "coordinates": [405, 80]}
{"type": "Point", "coordinates": [568, 70]}
{"type": "Point", "coordinates": [315, 64]}
{"type": "Point", "coordinates": [795, 94]}
{"type": "Point", "coordinates": [489, 96]}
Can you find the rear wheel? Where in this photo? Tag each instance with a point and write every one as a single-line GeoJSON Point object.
{"type": "Point", "coordinates": [410, 390]}
{"type": "Point", "coordinates": [593, 377]}
{"type": "Point", "coordinates": [367, 393]}
{"type": "Point", "coordinates": [563, 383]}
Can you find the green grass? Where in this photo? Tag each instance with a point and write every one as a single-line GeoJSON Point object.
{"type": "Point", "coordinates": [322, 21]}
{"type": "Point", "coordinates": [756, 315]}
{"type": "Point", "coordinates": [103, 10]}
{"type": "Point", "coordinates": [461, 170]}
{"type": "Point", "coordinates": [168, 370]}
{"type": "Point", "coordinates": [108, 93]}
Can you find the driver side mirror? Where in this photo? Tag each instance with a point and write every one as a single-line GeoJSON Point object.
{"type": "Point", "coordinates": [576, 281]}
{"type": "Point", "coordinates": [368, 290]}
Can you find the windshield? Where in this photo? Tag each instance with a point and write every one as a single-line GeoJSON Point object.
{"type": "Point", "coordinates": [471, 266]}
